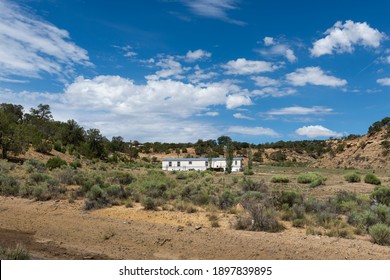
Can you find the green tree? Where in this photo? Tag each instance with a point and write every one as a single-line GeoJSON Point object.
{"type": "Point", "coordinates": [42, 112]}
{"type": "Point", "coordinates": [95, 144]}
{"type": "Point", "coordinates": [72, 133]}
{"type": "Point", "coordinates": [229, 157]}
{"type": "Point", "coordinates": [12, 138]}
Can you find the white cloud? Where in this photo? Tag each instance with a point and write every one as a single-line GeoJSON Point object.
{"type": "Point", "coordinates": [237, 100]}
{"type": "Point", "coordinates": [197, 55]}
{"type": "Point", "coordinates": [384, 81]}
{"type": "Point", "coordinates": [268, 41]}
{"type": "Point", "coordinates": [315, 76]}
{"type": "Point", "coordinates": [169, 68]}
{"type": "Point", "coordinates": [276, 48]}
{"type": "Point", "coordinates": [297, 110]}
{"type": "Point", "coordinates": [130, 54]}
{"type": "Point", "coordinates": [214, 9]}
{"type": "Point", "coordinates": [241, 116]}
{"type": "Point", "coordinates": [212, 114]}
{"type": "Point", "coordinates": [342, 38]}
{"type": "Point", "coordinates": [262, 81]}
{"type": "Point", "coordinates": [159, 110]}
{"type": "Point", "coordinates": [199, 75]}
{"type": "Point", "coordinates": [273, 92]}
{"type": "Point", "coordinates": [241, 66]}
{"type": "Point", "coordinates": [314, 131]}
{"type": "Point", "coordinates": [31, 46]}
{"type": "Point", "coordinates": [258, 131]}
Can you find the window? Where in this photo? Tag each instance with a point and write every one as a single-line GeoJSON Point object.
{"type": "Point", "coordinates": [207, 163]}
{"type": "Point", "coordinates": [235, 162]}
{"type": "Point", "coordinates": [178, 163]}
{"type": "Point", "coordinates": [190, 163]}
{"type": "Point", "coordinates": [170, 163]}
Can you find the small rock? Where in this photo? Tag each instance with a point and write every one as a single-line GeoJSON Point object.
{"type": "Point", "coordinates": [198, 227]}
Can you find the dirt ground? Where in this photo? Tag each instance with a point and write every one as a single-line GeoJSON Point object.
{"type": "Point", "coordinates": [61, 230]}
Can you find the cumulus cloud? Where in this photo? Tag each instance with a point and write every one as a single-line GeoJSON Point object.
{"type": "Point", "coordinates": [273, 92]}
{"type": "Point", "coordinates": [258, 131]}
{"type": "Point", "coordinates": [276, 48]}
{"type": "Point", "coordinates": [241, 116]}
{"type": "Point", "coordinates": [169, 68]}
{"type": "Point", "coordinates": [297, 110]}
{"type": "Point", "coordinates": [200, 75]}
{"type": "Point", "coordinates": [241, 66]}
{"type": "Point", "coordinates": [268, 41]}
{"type": "Point", "coordinates": [384, 81]}
{"type": "Point", "coordinates": [314, 131]}
{"type": "Point", "coordinates": [197, 55]}
{"type": "Point", "coordinates": [212, 114]}
{"type": "Point", "coordinates": [342, 38]}
{"type": "Point", "coordinates": [261, 81]}
{"type": "Point", "coordinates": [159, 110]}
{"type": "Point", "coordinates": [314, 76]}
{"type": "Point", "coordinates": [237, 100]}
{"type": "Point", "coordinates": [31, 46]}
{"type": "Point", "coordinates": [214, 9]}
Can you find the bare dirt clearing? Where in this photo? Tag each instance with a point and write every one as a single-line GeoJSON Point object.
{"type": "Point", "coordinates": [61, 230]}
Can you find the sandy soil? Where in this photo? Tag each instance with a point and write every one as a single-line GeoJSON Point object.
{"type": "Point", "coordinates": [61, 230]}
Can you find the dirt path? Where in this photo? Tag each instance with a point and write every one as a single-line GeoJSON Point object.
{"type": "Point", "coordinates": [60, 230]}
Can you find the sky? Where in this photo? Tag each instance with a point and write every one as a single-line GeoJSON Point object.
{"type": "Point", "coordinates": [180, 70]}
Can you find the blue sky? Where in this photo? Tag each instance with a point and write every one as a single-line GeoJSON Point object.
{"type": "Point", "coordinates": [179, 70]}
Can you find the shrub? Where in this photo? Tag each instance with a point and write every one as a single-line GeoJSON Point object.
{"type": "Point", "coordinates": [36, 165]}
{"type": "Point", "coordinates": [150, 203]}
{"type": "Point", "coordinates": [41, 192]}
{"type": "Point", "coordinates": [262, 218]}
{"type": "Point", "coordinates": [310, 178]}
{"type": "Point", "coordinates": [372, 179]}
{"type": "Point", "coordinates": [280, 179]}
{"type": "Point", "coordinates": [382, 195]}
{"type": "Point", "coordinates": [116, 191]}
{"type": "Point", "coordinates": [75, 164]}
{"type": "Point", "coordinates": [55, 163]}
{"type": "Point", "coordinates": [96, 198]}
{"type": "Point", "coordinates": [289, 197]}
{"type": "Point", "coordinates": [36, 178]}
{"type": "Point", "coordinates": [19, 253]}
{"type": "Point", "coordinates": [226, 200]}
{"type": "Point", "coordinates": [8, 185]}
{"type": "Point", "coordinates": [352, 177]}
{"type": "Point", "coordinates": [380, 234]}
{"type": "Point", "coordinates": [250, 185]}
{"type": "Point", "coordinates": [122, 178]}
{"type": "Point", "coordinates": [181, 176]}
{"type": "Point", "coordinates": [248, 171]}
{"type": "Point", "coordinates": [316, 183]}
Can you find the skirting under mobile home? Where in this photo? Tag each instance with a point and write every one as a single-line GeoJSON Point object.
{"type": "Point", "coordinates": [199, 164]}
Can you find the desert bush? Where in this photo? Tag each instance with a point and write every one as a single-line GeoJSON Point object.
{"type": "Point", "coordinates": [150, 203]}
{"type": "Point", "coordinates": [56, 162]}
{"type": "Point", "coordinates": [325, 218]}
{"type": "Point", "coordinates": [381, 195]}
{"type": "Point", "coordinates": [252, 195]}
{"type": "Point", "coordinates": [181, 176]}
{"type": "Point", "coordinates": [263, 218]}
{"type": "Point", "coordinates": [122, 178]}
{"type": "Point", "coordinates": [96, 198]}
{"type": "Point", "coordinates": [352, 177]}
{"type": "Point", "coordinates": [19, 253]}
{"type": "Point", "coordinates": [248, 171]}
{"type": "Point", "coordinates": [8, 185]}
{"type": "Point", "coordinates": [116, 191]}
{"type": "Point", "coordinates": [67, 176]}
{"type": "Point", "coordinates": [34, 165]}
{"type": "Point", "coordinates": [311, 178]}
{"type": "Point", "coordinates": [280, 179]}
{"type": "Point", "coordinates": [41, 192]}
{"type": "Point", "coordinates": [250, 185]}
{"type": "Point", "coordinates": [380, 234]}
{"type": "Point", "coordinates": [75, 164]}
{"type": "Point", "coordinates": [372, 179]}
{"type": "Point", "coordinates": [226, 200]}
{"type": "Point", "coordinates": [313, 205]}
{"type": "Point", "coordinates": [347, 201]}
{"type": "Point", "coordinates": [289, 197]}
{"type": "Point", "coordinates": [59, 148]}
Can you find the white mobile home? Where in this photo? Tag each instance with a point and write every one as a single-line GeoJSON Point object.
{"type": "Point", "coordinates": [200, 164]}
